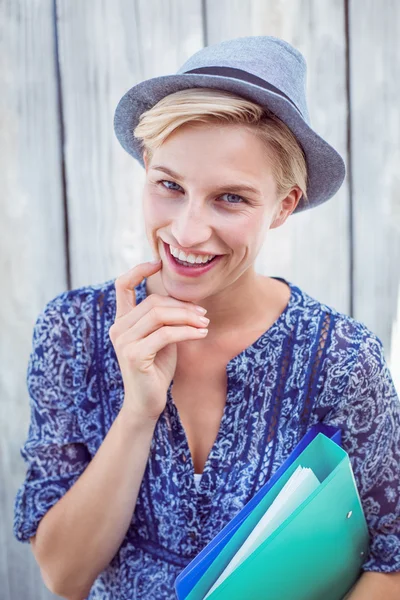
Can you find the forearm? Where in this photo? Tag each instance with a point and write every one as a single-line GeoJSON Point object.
{"type": "Point", "coordinates": [376, 586]}
{"type": "Point", "coordinates": [82, 532]}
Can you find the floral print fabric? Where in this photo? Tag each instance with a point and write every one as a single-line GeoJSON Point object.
{"type": "Point", "coordinates": [313, 364]}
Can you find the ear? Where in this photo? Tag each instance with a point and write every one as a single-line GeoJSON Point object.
{"type": "Point", "coordinates": [145, 160]}
{"type": "Point", "coordinates": [286, 206]}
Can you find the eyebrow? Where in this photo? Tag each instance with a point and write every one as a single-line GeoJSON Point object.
{"type": "Point", "coordinates": [234, 187]}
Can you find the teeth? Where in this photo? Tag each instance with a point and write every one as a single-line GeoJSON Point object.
{"type": "Point", "coordinates": [191, 258]}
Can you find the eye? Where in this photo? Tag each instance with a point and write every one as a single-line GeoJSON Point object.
{"type": "Point", "coordinates": [162, 181]}
{"type": "Point", "coordinates": [166, 181]}
{"type": "Point", "coordinates": [235, 196]}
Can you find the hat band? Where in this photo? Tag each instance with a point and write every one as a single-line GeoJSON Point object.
{"type": "Point", "coordinates": [244, 76]}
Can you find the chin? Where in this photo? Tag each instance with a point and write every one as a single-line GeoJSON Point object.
{"type": "Point", "coordinates": [182, 291]}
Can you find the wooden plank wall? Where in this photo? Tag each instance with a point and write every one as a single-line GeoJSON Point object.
{"type": "Point", "coordinates": [71, 197]}
{"type": "Point", "coordinates": [375, 128]}
{"type": "Point", "coordinates": [32, 247]}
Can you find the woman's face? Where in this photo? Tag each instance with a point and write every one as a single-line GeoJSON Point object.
{"type": "Point", "coordinates": [209, 188]}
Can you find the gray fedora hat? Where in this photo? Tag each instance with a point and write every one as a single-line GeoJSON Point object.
{"type": "Point", "coordinates": [264, 69]}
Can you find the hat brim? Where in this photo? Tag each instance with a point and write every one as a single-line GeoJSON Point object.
{"type": "Point", "coordinates": [325, 167]}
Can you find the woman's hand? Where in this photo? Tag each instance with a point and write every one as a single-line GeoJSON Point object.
{"type": "Point", "coordinates": [144, 337]}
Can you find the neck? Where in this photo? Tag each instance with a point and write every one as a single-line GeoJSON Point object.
{"type": "Point", "coordinates": [240, 304]}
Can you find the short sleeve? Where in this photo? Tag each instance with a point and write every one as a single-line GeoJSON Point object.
{"type": "Point", "coordinates": [369, 416]}
{"type": "Point", "coordinates": [55, 452]}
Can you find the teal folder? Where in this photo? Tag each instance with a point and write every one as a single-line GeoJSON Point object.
{"type": "Point", "coordinates": [315, 554]}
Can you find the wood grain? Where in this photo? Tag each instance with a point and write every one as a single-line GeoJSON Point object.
{"type": "Point", "coordinates": [32, 248]}
{"type": "Point", "coordinates": [375, 135]}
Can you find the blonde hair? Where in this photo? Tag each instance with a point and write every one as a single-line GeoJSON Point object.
{"type": "Point", "coordinates": [208, 105]}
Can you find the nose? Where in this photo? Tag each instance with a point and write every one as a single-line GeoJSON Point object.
{"type": "Point", "coordinates": [190, 227]}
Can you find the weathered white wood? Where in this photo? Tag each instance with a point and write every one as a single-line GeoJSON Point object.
{"type": "Point", "coordinates": [312, 248]}
{"type": "Point", "coordinates": [375, 135]}
{"type": "Point", "coordinates": [106, 48]}
{"type": "Point", "coordinates": [32, 249]}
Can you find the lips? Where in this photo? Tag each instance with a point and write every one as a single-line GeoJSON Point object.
{"type": "Point", "coordinates": [195, 271]}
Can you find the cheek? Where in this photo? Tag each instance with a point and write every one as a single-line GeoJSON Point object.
{"type": "Point", "coordinates": [245, 235]}
{"type": "Point", "coordinates": [155, 210]}
{"type": "Point", "coordinates": [151, 217]}
{"type": "Point", "coordinates": [155, 219]}
{"type": "Point", "coordinates": [147, 206]}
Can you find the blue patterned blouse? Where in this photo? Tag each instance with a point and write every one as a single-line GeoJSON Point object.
{"type": "Point", "coordinates": [313, 364]}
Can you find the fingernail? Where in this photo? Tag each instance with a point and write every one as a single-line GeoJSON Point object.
{"type": "Point", "coordinates": [200, 310]}
{"type": "Point", "coordinates": [155, 262]}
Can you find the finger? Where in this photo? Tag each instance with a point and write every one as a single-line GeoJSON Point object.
{"type": "Point", "coordinates": [125, 286]}
{"type": "Point", "coordinates": [160, 316]}
{"type": "Point", "coordinates": [149, 346]}
{"type": "Point", "coordinates": [152, 301]}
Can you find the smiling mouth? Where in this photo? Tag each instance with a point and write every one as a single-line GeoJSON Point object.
{"type": "Point", "coordinates": [187, 268]}
{"type": "Point", "coordinates": [185, 262]}
{"type": "Point", "coordinates": [189, 264]}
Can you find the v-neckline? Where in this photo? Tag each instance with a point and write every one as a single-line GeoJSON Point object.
{"type": "Point", "coordinates": [236, 368]}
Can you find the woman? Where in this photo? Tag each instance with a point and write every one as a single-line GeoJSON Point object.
{"type": "Point", "coordinates": [150, 427]}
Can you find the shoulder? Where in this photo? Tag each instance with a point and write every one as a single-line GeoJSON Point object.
{"type": "Point", "coordinates": [63, 368]}
{"type": "Point", "coordinates": [75, 306]}
{"type": "Point", "coordinates": [66, 328]}
{"type": "Point", "coordinates": [349, 354]}
{"type": "Point", "coordinates": [353, 375]}
{"type": "Point", "coordinates": [342, 332]}
{"type": "Point", "coordinates": [78, 299]}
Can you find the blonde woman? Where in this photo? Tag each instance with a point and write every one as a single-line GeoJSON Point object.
{"type": "Point", "coordinates": [153, 424]}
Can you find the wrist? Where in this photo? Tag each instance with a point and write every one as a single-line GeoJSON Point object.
{"type": "Point", "coordinates": [135, 420]}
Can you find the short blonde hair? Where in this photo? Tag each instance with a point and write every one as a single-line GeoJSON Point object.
{"type": "Point", "coordinates": [210, 105]}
